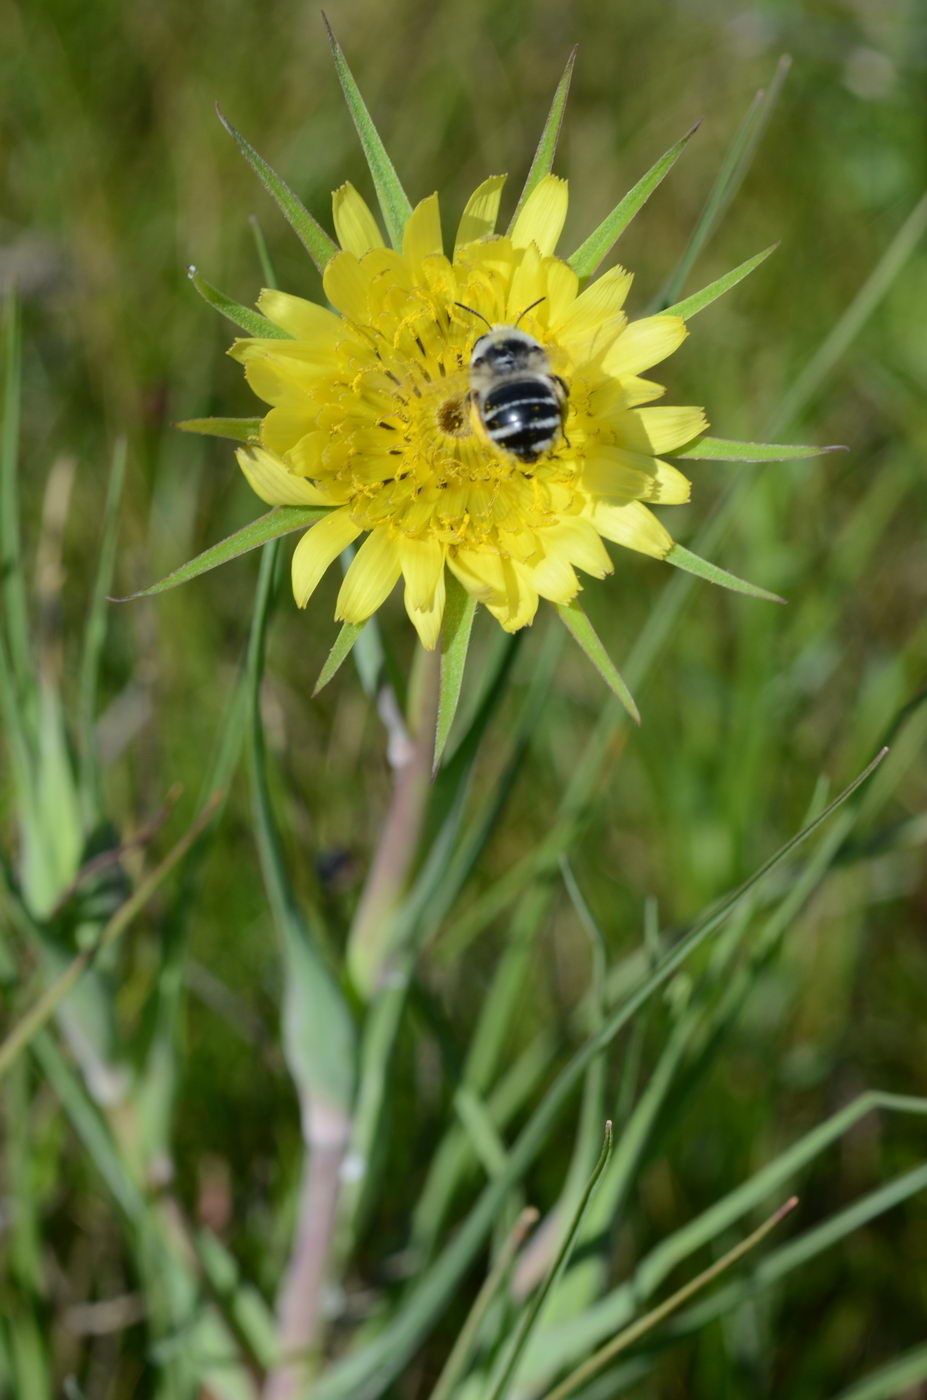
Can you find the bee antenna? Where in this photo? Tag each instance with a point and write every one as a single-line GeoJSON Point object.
{"type": "Point", "coordinates": [475, 313]}
{"type": "Point", "coordinates": [530, 308]}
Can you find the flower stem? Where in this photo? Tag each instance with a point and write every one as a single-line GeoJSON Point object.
{"type": "Point", "coordinates": [410, 750]}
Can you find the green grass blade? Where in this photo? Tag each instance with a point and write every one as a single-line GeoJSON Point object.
{"type": "Point", "coordinates": [690, 306]}
{"type": "Point", "coordinates": [242, 316]}
{"type": "Point", "coordinates": [582, 630]}
{"type": "Point", "coordinates": [260, 244]}
{"type": "Point", "coordinates": [43, 1009]}
{"type": "Point", "coordinates": [95, 630]}
{"type": "Point", "coordinates": [366, 1373]}
{"type": "Point", "coordinates": [12, 580]}
{"type": "Point", "coordinates": [238, 429]}
{"type": "Point", "coordinates": [709, 449]}
{"type": "Point", "coordinates": [734, 168]}
{"type": "Point", "coordinates": [459, 610]}
{"type": "Point", "coordinates": [834, 346]}
{"type": "Point", "coordinates": [656, 1315]}
{"type": "Point", "coordinates": [532, 1313]}
{"type": "Point", "coordinates": [394, 203]}
{"type": "Point", "coordinates": [600, 242]}
{"type": "Point", "coordinates": [693, 564]}
{"type": "Point", "coordinates": [806, 1247]}
{"type": "Point", "coordinates": [310, 234]}
{"type": "Point", "coordinates": [344, 645]}
{"type": "Point", "coordinates": [896, 1377]}
{"type": "Point", "coordinates": [456, 1365]}
{"type": "Point", "coordinates": [543, 160]}
{"type": "Point", "coordinates": [282, 520]}
{"type": "Point", "coordinates": [579, 1337]}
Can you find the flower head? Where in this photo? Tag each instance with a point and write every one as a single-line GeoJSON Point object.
{"type": "Point", "coordinates": [371, 414]}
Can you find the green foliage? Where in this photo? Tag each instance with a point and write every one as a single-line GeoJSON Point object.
{"type": "Point", "coordinates": [188, 1070]}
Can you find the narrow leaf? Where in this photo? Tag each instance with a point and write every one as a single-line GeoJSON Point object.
{"type": "Point", "coordinates": [394, 203]}
{"type": "Point", "coordinates": [533, 1311]}
{"type": "Point", "coordinates": [12, 577]}
{"type": "Point", "coordinates": [238, 429]}
{"type": "Point", "coordinates": [344, 645]}
{"type": "Point", "coordinates": [318, 1026]}
{"type": "Point", "coordinates": [95, 630]}
{"type": "Point", "coordinates": [656, 1315]}
{"type": "Point", "coordinates": [543, 161]}
{"type": "Point", "coordinates": [385, 1355]}
{"type": "Point", "coordinates": [693, 564]}
{"type": "Point", "coordinates": [597, 246]}
{"type": "Point", "coordinates": [242, 316]}
{"type": "Point", "coordinates": [897, 1377]}
{"type": "Point", "coordinates": [835, 344]}
{"type": "Point", "coordinates": [581, 628]}
{"type": "Point", "coordinates": [310, 234]}
{"type": "Point", "coordinates": [260, 243]}
{"type": "Point", "coordinates": [282, 520]}
{"type": "Point", "coordinates": [34, 1019]}
{"type": "Point", "coordinates": [699, 300]}
{"type": "Point", "coordinates": [459, 609]}
{"type": "Point", "coordinates": [709, 449]}
{"type": "Point", "coordinates": [456, 1365]}
{"type": "Point", "coordinates": [734, 167]}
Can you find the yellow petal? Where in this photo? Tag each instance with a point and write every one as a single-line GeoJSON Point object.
{"type": "Point", "coordinates": [580, 542]}
{"type": "Point", "coordinates": [346, 286]}
{"type": "Point", "coordinates": [480, 213]}
{"type": "Point", "coordinates": [542, 216]}
{"type": "Point", "coordinates": [428, 617]}
{"type": "Point", "coordinates": [632, 526]}
{"type": "Point", "coordinates": [422, 563]}
{"type": "Point", "coordinates": [284, 426]}
{"type": "Point", "coordinates": [660, 429]}
{"type": "Point", "coordinates": [422, 234]}
{"type": "Point", "coordinates": [644, 343]}
{"type": "Point", "coordinates": [303, 319]}
{"type": "Point", "coordinates": [355, 226]}
{"type": "Point", "coordinates": [562, 286]}
{"type": "Point", "coordinates": [633, 476]}
{"type": "Point", "coordinates": [270, 479]}
{"type": "Point", "coordinates": [371, 577]}
{"type": "Point", "coordinates": [554, 578]}
{"type": "Point", "coordinates": [521, 601]}
{"type": "Point", "coordinates": [601, 302]}
{"type": "Point", "coordinates": [316, 550]}
{"type": "Point", "coordinates": [480, 572]}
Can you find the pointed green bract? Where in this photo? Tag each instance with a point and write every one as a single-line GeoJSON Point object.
{"type": "Point", "coordinates": [459, 609]}
{"type": "Point", "coordinates": [394, 203]}
{"type": "Point", "coordinates": [282, 520]}
{"type": "Point", "coordinates": [693, 564]}
{"type": "Point", "coordinates": [581, 628]}
{"type": "Point", "coordinates": [601, 241]}
{"type": "Point", "coordinates": [242, 316]}
{"type": "Point", "coordinates": [310, 234]}
{"type": "Point", "coordinates": [238, 429]}
{"type": "Point", "coordinates": [709, 449]}
{"type": "Point", "coordinates": [543, 161]}
{"type": "Point", "coordinates": [690, 306]}
{"type": "Point", "coordinates": [344, 645]}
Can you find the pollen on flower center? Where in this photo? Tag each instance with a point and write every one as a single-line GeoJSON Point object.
{"type": "Point", "coordinates": [453, 417]}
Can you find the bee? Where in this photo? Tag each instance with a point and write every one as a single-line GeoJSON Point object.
{"type": "Point", "coordinates": [521, 403]}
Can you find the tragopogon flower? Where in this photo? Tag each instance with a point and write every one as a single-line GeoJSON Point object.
{"type": "Point", "coordinates": [370, 415]}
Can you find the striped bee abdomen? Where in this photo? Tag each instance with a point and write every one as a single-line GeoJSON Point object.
{"type": "Point", "coordinates": [522, 416]}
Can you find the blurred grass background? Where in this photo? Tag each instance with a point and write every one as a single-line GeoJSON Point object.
{"type": "Point", "coordinates": [117, 176]}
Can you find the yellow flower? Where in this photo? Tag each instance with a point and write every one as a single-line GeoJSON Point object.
{"type": "Point", "coordinates": [370, 415]}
